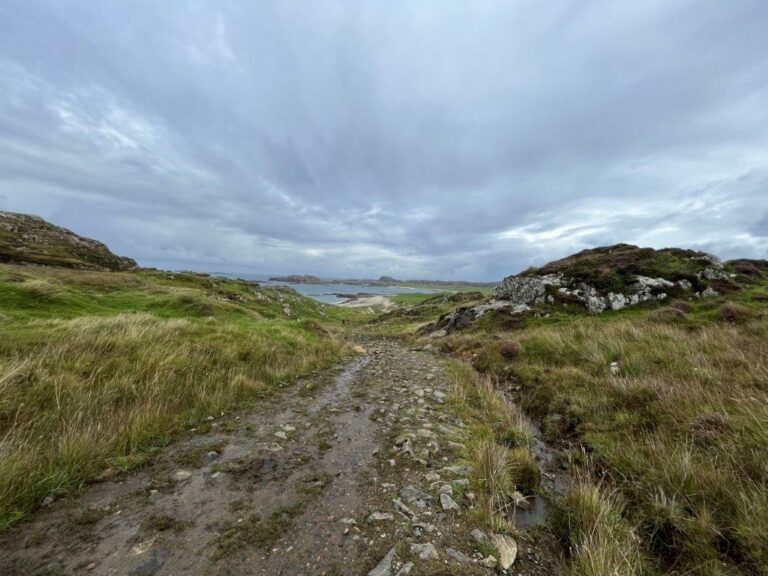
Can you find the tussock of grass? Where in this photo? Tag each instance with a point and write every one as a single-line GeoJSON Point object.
{"type": "Point", "coordinates": [499, 470]}
{"type": "Point", "coordinates": [589, 522]}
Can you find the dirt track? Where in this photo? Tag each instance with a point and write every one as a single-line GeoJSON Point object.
{"type": "Point", "coordinates": [288, 489]}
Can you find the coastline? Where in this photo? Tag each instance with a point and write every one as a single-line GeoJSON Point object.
{"type": "Point", "coordinates": [366, 301]}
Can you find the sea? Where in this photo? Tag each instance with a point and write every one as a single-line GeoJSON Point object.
{"type": "Point", "coordinates": [334, 293]}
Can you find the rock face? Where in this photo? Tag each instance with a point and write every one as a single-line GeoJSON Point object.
{"type": "Point", "coordinates": [608, 278]}
{"type": "Point", "coordinates": [612, 278]}
{"type": "Point", "coordinates": [26, 239]}
{"type": "Point", "coordinates": [525, 289]}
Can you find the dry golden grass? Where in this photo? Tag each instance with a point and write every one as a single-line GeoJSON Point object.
{"type": "Point", "coordinates": [681, 431]}
{"type": "Point", "coordinates": [499, 470]}
{"type": "Point", "coordinates": [589, 522]}
{"type": "Point", "coordinates": [81, 395]}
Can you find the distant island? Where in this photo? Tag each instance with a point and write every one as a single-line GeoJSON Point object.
{"type": "Point", "coordinates": [382, 281]}
{"type": "Point", "coordinates": [298, 279]}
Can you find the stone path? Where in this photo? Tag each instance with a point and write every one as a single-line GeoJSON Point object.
{"type": "Point", "coordinates": [359, 470]}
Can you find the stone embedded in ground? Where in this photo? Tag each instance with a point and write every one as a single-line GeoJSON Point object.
{"type": "Point", "coordinates": [405, 569]}
{"type": "Point", "coordinates": [404, 510]}
{"type": "Point", "coordinates": [432, 476]}
{"type": "Point", "coordinates": [448, 503]}
{"type": "Point", "coordinates": [182, 475]}
{"type": "Point", "coordinates": [446, 489]}
{"type": "Point", "coordinates": [380, 517]}
{"type": "Point", "coordinates": [282, 435]}
{"type": "Point", "coordinates": [457, 446]}
{"type": "Point", "coordinates": [211, 456]}
{"type": "Point", "coordinates": [458, 556]}
{"type": "Point", "coordinates": [384, 567]}
{"type": "Point", "coordinates": [425, 551]}
{"type": "Point", "coordinates": [414, 495]}
{"type": "Point", "coordinates": [479, 536]}
{"type": "Point", "coordinates": [507, 548]}
{"type": "Point", "coordinates": [419, 527]}
{"type": "Point", "coordinates": [289, 428]}
{"type": "Point", "coordinates": [458, 470]}
{"type": "Point", "coordinates": [489, 562]}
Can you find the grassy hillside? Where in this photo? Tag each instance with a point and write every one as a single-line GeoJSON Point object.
{"type": "Point", "coordinates": [667, 449]}
{"type": "Point", "coordinates": [612, 268]}
{"type": "Point", "coordinates": [100, 369]}
{"type": "Point", "coordinates": [26, 239]}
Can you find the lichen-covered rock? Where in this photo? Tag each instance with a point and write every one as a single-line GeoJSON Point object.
{"type": "Point", "coordinates": [525, 289]}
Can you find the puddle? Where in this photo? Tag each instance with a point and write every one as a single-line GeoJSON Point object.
{"type": "Point", "coordinates": [536, 515]}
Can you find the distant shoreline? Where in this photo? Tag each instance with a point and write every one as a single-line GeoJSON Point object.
{"type": "Point", "coordinates": [383, 281]}
{"type": "Point", "coordinates": [363, 300]}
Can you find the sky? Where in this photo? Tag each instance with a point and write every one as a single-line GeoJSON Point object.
{"type": "Point", "coordinates": [415, 139]}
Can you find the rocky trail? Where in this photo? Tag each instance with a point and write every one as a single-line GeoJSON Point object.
{"type": "Point", "coordinates": [359, 470]}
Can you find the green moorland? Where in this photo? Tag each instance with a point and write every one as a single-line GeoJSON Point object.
{"type": "Point", "coordinates": [99, 369]}
{"type": "Point", "coordinates": [667, 453]}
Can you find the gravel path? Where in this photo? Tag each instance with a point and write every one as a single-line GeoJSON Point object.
{"type": "Point", "coordinates": [354, 471]}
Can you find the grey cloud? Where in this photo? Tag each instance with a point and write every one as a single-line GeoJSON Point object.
{"type": "Point", "coordinates": [414, 139]}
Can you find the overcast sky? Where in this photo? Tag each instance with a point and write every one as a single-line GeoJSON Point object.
{"type": "Point", "coordinates": [432, 139]}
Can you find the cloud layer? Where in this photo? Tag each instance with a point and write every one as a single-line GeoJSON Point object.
{"type": "Point", "coordinates": [415, 139]}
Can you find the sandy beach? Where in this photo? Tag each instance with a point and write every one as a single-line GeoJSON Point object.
{"type": "Point", "coordinates": [368, 300]}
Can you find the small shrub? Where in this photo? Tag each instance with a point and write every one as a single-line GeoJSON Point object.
{"type": "Point", "coordinates": [509, 349]}
{"type": "Point", "coordinates": [746, 268]}
{"type": "Point", "coordinates": [733, 313]}
{"type": "Point", "coordinates": [706, 428]}
{"type": "Point", "coordinates": [667, 314]}
{"type": "Point", "coordinates": [681, 305]}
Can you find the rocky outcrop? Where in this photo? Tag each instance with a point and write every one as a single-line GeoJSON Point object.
{"type": "Point", "coordinates": [27, 239]}
{"type": "Point", "coordinates": [609, 278]}
{"type": "Point", "coordinates": [525, 289]}
{"type": "Point", "coordinates": [464, 316]}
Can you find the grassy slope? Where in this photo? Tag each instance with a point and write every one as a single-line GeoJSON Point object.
{"type": "Point", "coordinates": [670, 455]}
{"type": "Point", "coordinates": [97, 370]}
{"type": "Point", "coordinates": [614, 268]}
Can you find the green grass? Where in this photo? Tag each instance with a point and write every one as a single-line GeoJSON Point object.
{"type": "Point", "coordinates": [99, 369]}
{"type": "Point", "coordinates": [613, 268]}
{"type": "Point", "coordinates": [410, 299]}
{"type": "Point", "coordinates": [498, 470]}
{"type": "Point", "coordinates": [678, 438]}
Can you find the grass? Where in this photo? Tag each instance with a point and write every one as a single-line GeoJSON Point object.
{"type": "Point", "coordinates": [498, 469]}
{"type": "Point", "coordinates": [254, 531]}
{"type": "Point", "coordinates": [613, 268]}
{"type": "Point", "coordinates": [591, 524]}
{"type": "Point", "coordinates": [680, 432]}
{"type": "Point", "coordinates": [99, 370]}
{"type": "Point", "coordinates": [669, 450]}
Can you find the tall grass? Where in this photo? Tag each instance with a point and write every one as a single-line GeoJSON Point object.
{"type": "Point", "coordinates": [78, 396]}
{"type": "Point", "coordinates": [680, 431]}
{"type": "Point", "coordinates": [600, 542]}
{"type": "Point", "coordinates": [499, 468]}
